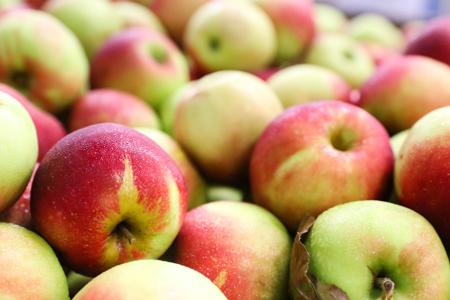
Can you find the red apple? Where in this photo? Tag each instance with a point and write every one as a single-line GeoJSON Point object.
{"type": "Point", "coordinates": [317, 155]}
{"type": "Point", "coordinates": [106, 194]}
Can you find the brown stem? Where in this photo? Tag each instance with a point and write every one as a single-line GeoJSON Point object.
{"type": "Point", "coordinates": [387, 286]}
{"type": "Point", "coordinates": [122, 231]}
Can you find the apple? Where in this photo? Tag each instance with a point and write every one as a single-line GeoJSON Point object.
{"type": "Point", "coordinates": [241, 247]}
{"type": "Point", "coordinates": [8, 4]}
{"type": "Point", "coordinates": [317, 155]}
{"type": "Point", "coordinates": [194, 182]}
{"type": "Point", "coordinates": [402, 91]}
{"type": "Point", "coordinates": [29, 267]}
{"type": "Point", "coordinates": [224, 193]}
{"type": "Point", "coordinates": [175, 14]}
{"type": "Point", "coordinates": [108, 105]}
{"type": "Point", "coordinates": [422, 168]}
{"type": "Point", "coordinates": [299, 84]}
{"type": "Point", "coordinates": [265, 74]}
{"type": "Point", "coordinates": [118, 197]}
{"type": "Point", "coordinates": [376, 29]}
{"type": "Point", "coordinates": [133, 14]}
{"type": "Point", "coordinates": [76, 282]}
{"type": "Point", "coordinates": [35, 3]}
{"type": "Point", "coordinates": [27, 37]}
{"type": "Point", "coordinates": [397, 142]}
{"type": "Point", "coordinates": [343, 55]}
{"type": "Point", "coordinates": [93, 22]}
{"type": "Point", "coordinates": [230, 35]}
{"type": "Point", "coordinates": [151, 66]}
{"type": "Point", "coordinates": [219, 118]}
{"type": "Point", "coordinates": [412, 28]}
{"type": "Point", "coordinates": [328, 18]}
{"type": "Point", "coordinates": [377, 250]}
{"type": "Point", "coordinates": [432, 41]}
{"type": "Point", "coordinates": [380, 54]}
{"type": "Point", "coordinates": [150, 279]}
{"type": "Point", "coordinates": [169, 107]}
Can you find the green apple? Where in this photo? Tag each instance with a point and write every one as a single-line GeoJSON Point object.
{"type": "Point", "coordinates": [359, 246]}
{"type": "Point", "coordinates": [150, 279]}
{"type": "Point", "coordinates": [230, 35]}
{"type": "Point", "coordinates": [328, 18]}
{"type": "Point", "coordinates": [343, 55]}
{"type": "Point", "coordinates": [223, 192]}
{"type": "Point", "coordinates": [306, 83]}
{"type": "Point", "coordinates": [29, 269]}
{"type": "Point", "coordinates": [76, 282]}
{"type": "Point", "coordinates": [133, 14]}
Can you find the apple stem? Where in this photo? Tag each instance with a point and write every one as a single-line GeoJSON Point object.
{"type": "Point", "coordinates": [387, 286]}
{"type": "Point", "coordinates": [123, 231]}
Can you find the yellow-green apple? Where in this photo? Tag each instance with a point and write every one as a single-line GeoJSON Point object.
{"type": "Point", "coordinates": [294, 25]}
{"type": "Point", "coordinates": [169, 107]}
{"type": "Point", "coordinates": [317, 155]}
{"type": "Point", "coordinates": [343, 55]}
{"type": "Point", "coordinates": [241, 247]}
{"type": "Point", "coordinates": [403, 90]}
{"type": "Point", "coordinates": [299, 84]}
{"type": "Point", "coordinates": [194, 182]}
{"type": "Point", "coordinates": [76, 282]}
{"type": "Point", "coordinates": [18, 151]}
{"type": "Point", "coordinates": [29, 267]}
{"type": "Point", "coordinates": [376, 29]}
{"type": "Point", "coordinates": [108, 105]}
{"type": "Point", "coordinates": [377, 250]}
{"type": "Point", "coordinates": [93, 22]}
{"type": "Point", "coordinates": [49, 129]}
{"type": "Point", "coordinates": [219, 119]}
{"type": "Point", "coordinates": [432, 41]}
{"type": "Point", "coordinates": [175, 14]}
{"type": "Point", "coordinates": [116, 194]}
{"type": "Point", "coordinates": [150, 279]}
{"type": "Point", "coordinates": [151, 66]}
{"type": "Point", "coordinates": [225, 193]}
{"type": "Point", "coordinates": [27, 38]}
{"type": "Point", "coordinates": [397, 141]}
{"type": "Point", "coordinates": [328, 18]}
{"type": "Point", "coordinates": [133, 14]}
{"type": "Point", "coordinates": [230, 35]}
{"type": "Point", "coordinates": [422, 170]}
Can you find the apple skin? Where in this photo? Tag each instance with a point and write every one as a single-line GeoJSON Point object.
{"type": "Point", "coordinates": [315, 148]}
{"type": "Point", "coordinates": [241, 247]}
{"type": "Point", "coordinates": [194, 182]}
{"type": "Point", "coordinates": [123, 199]}
{"type": "Point", "coordinates": [432, 41]}
{"type": "Point", "coordinates": [150, 279]}
{"type": "Point", "coordinates": [175, 20]}
{"type": "Point", "coordinates": [421, 171]}
{"type": "Point", "coordinates": [93, 22]}
{"type": "Point", "coordinates": [29, 267]}
{"type": "Point", "coordinates": [108, 105]}
{"type": "Point", "coordinates": [235, 118]}
{"type": "Point", "coordinates": [299, 84]}
{"type": "Point", "coordinates": [265, 74]}
{"type": "Point", "coordinates": [397, 142]}
{"type": "Point", "coordinates": [224, 193]}
{"type": "Point", "coordinates": [328, 18]}
{"type": "Point", "coordinates": [35, 3]}
{"type": "Point", "coordinates": [352, 244]}
{"type": "Point", "coordinates": [48, 128]}
{"type": "Point", "coordinates": [343, 55]}
{"type": "Point", "coordinates": [133, 14]}
{"type": "Point", "coordinates": [224, 35]}
{"type": "Point", "coordinates": [145, 54]}
{"type": "Point", "coordinates": [76, 282]}
{"type": "Point", "coordinates": [405, 89]}
{"type": "Point", "coordinates": [26, 38]}
{"type": "Point", "coordinates": [380, 54]}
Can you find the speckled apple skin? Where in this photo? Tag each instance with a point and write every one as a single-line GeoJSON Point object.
{"type": "Point", "coordinates": [49, 129]}
{"type": "Point", "coordinates": [98, 177]}
{"type": "Point", "coordinates": [241, 247]}
{"type": "Point", "coordinates": [108, 105]}
{"type": "Point", "coordinates": [296, 171]}
{"type": "Point", "coordinates": [405, 89]}
{"type": "Point", "coordinates": [27, 37]}
{"type": "Point", "coordinates": [432, 41]}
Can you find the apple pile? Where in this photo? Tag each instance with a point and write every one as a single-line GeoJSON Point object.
{"type": "Point", "coordinates": [217, 149]}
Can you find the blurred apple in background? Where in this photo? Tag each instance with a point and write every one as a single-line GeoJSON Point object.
{"type": "Point", "coordinates": [317, 155]}
{"type": "Point", "coordinates": [36, 3]}
{"type": "Point", "coordinates": [306, 83]}
{"type": "Point", "coordinates": [241, 247]}
{"type": "Point", "coordinates": [377, 250]}
{"type": "Point", "coordinates": [342, 55]}
{"type": "Point", "coordinates": [405, 89]}
{"type": "Point", "coordinates": [432, 41]}
{"type": "Point", "coordinates": [107, 105]}
{"type": "Point", "coordinates": [26, 258]}
{"type": "Point", "coordinates": [265, 74]}
{"type": "Point", "coordinates": [225, 35]}
{"type": "Point", "coordinates": [412, 28]}
{"type": "Point", "coordinates": [27, 38]}
{"type": "Point", "coordinates": [224, 193]}
{"type": "Point", "coordinates": [76, 282]}
{"type": "Point", "coordinates": [397, 142]}
{"type": "Point", "coordinates": [219, 118]}
{"type": "Point", "coordinates": [328, 18]}
{"type": "Point", "coordinates": [422, 170]}
{"type": "Point", "coordinates": [133, 15]}
{"type": "Point", "coordinates": [150, 279]}
{"type": "Point", "coordinates": [118, 195]}
{"type": "Point", "coordinates": [151, 66]}
{"type": "Point", "coordinates": [380, 54]}
{"type": "Point", "coordinates": [7, 4]}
